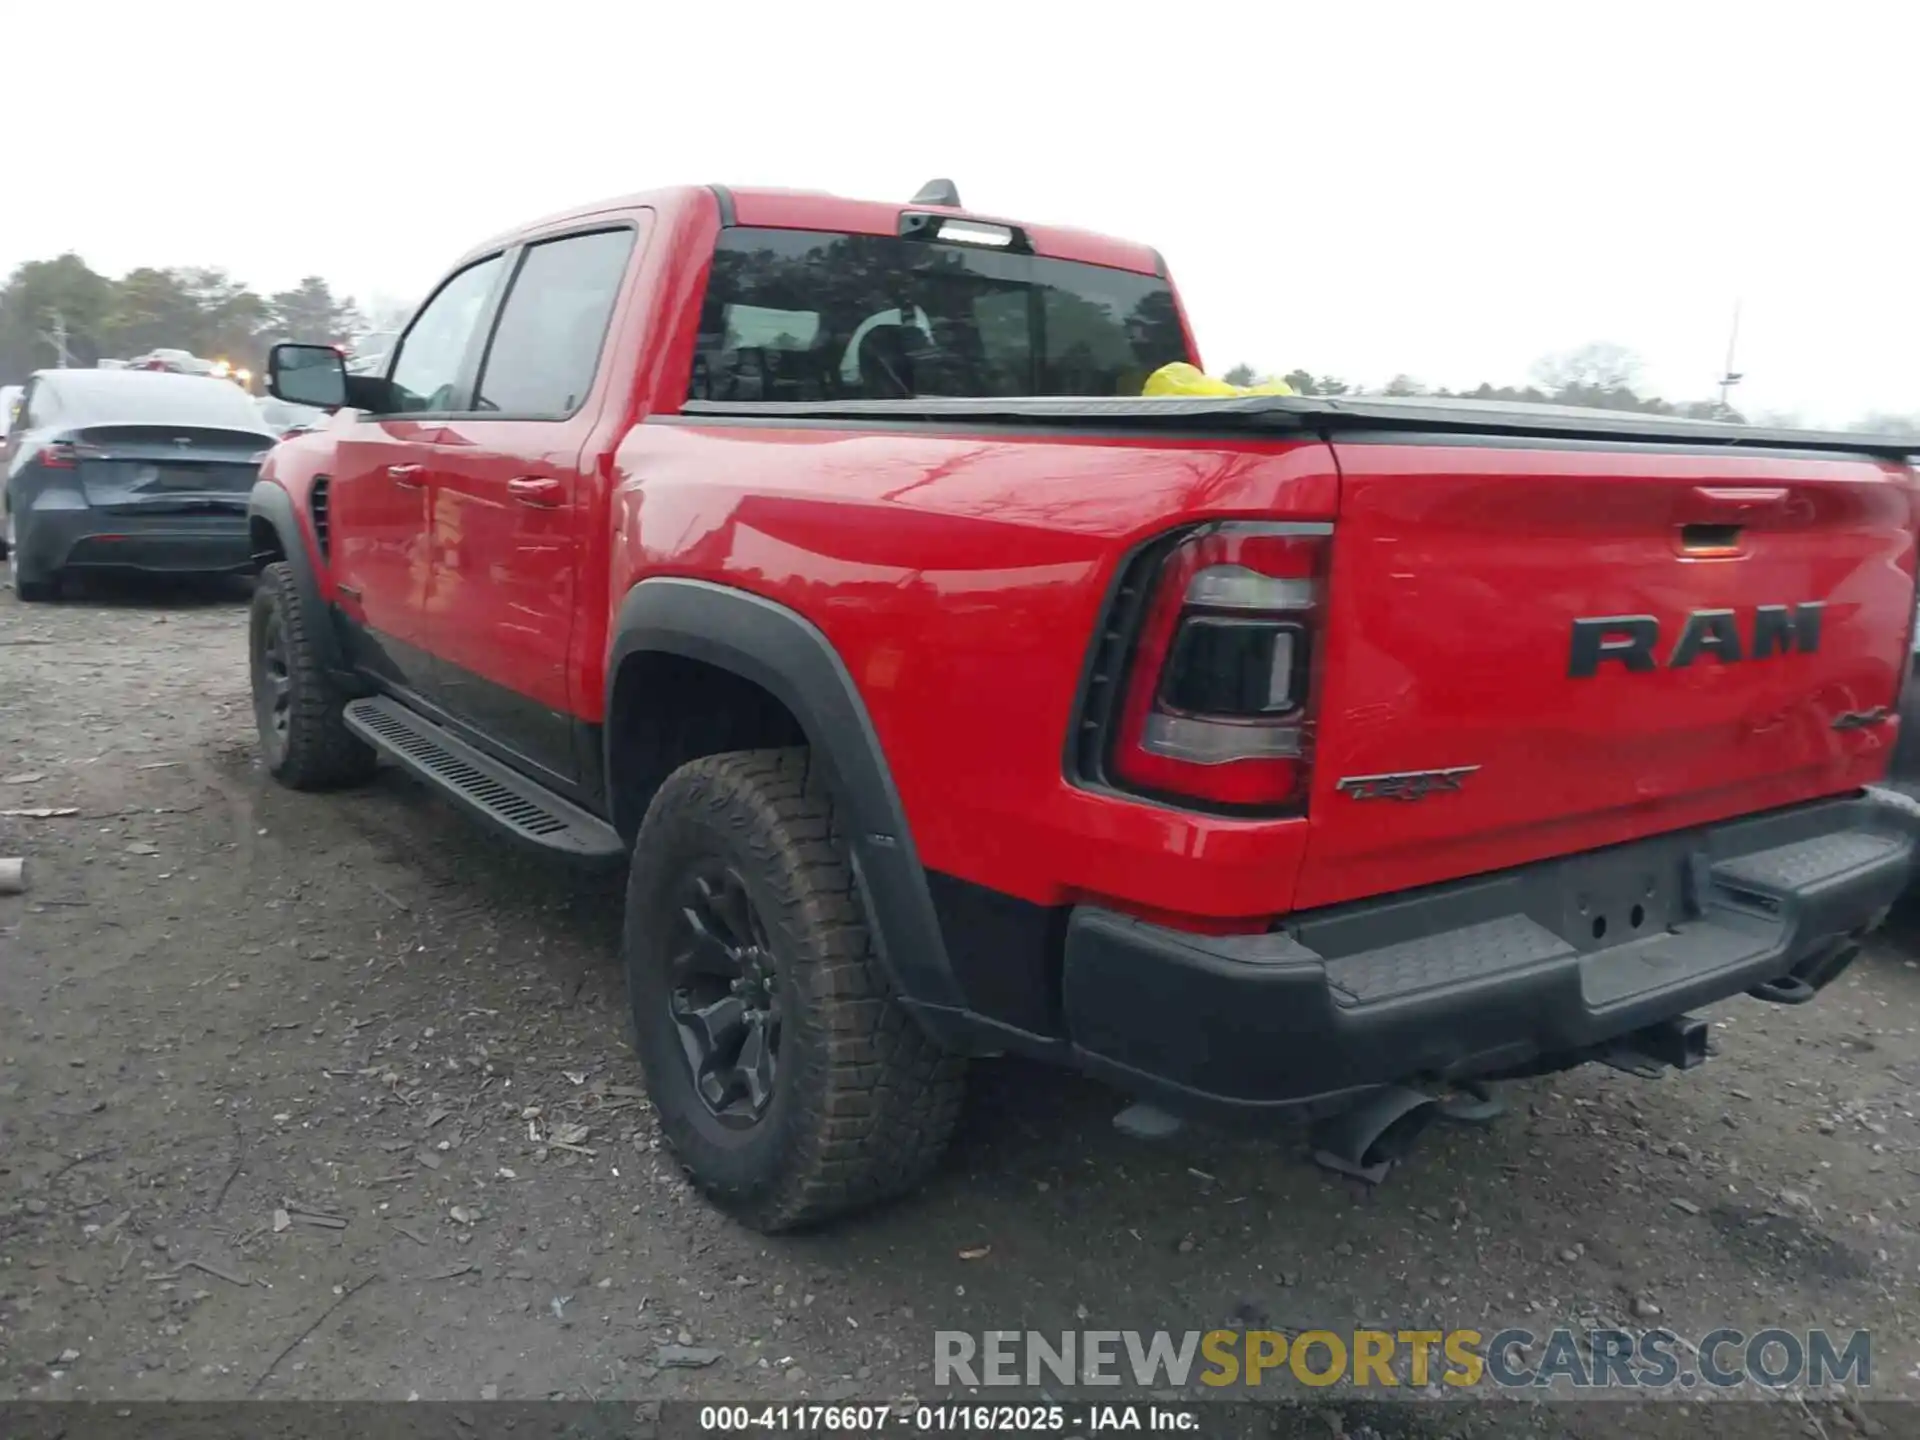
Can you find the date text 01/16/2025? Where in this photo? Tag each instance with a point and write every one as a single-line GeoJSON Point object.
{"type": "Point", "coordinates": [944, 1419]}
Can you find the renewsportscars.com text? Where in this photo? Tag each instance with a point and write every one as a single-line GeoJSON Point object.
{"type": "Point", "coordinates": [1601, 1358]}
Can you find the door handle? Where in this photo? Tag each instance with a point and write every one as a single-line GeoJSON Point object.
{"type": "Point", "coordinates": [407, 475]}
{"type": "Point", "coordinates": [541, 490]}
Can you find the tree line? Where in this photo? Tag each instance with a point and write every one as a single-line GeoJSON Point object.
{"type": "Point", "coordinates": [50, 305]}
{"type": "Point", "coordinates": [63, 304]}
{"type": "Point", "coordinates": [1598, 376]}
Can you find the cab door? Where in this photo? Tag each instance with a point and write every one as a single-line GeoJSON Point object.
{"type": "Point", "coordinates": [380, 486]}
{"type": "Point", "coordinates": [510, 503]}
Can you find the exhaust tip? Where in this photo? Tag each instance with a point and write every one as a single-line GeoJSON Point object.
{"type": "Point", "coordinates": [1396, 1142]}
{"type": "Point", "coordinates": [1367, 1140]}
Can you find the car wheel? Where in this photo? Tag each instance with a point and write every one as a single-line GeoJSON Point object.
{"type": "Point", "coordinates": [27, 587]}
{"type": "Point", "coordinates": [788, 1079]}
{"type": "Point", "coordinates": [303, 738]}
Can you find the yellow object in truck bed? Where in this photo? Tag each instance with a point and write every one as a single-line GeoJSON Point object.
{"type": "Point", "coordinates": [1185, 380]}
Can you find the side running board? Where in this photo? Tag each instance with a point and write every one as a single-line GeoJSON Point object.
{"type": "Point", "coordinates": [524, 808]}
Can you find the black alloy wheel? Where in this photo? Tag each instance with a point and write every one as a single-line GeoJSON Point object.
{"type": "Point", "coordinates": [724, 997]}
{"type": "Point", "coordinates": [297, 706]}
{"type": "Point", "coordinates": [273, 686]}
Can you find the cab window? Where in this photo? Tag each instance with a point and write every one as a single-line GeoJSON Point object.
{"type": "Point", "coordinates": [545, 349]}
{"type": "Point", "coordinates": [426, 372]}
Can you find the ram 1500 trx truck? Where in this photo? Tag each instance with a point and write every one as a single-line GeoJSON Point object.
{"type": "Point", "coordinates": [820, 561]}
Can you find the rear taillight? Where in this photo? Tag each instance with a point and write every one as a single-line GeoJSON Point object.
{"type": "Point", "coordinates": [1217, 705]}
{"type": "Point", "coordinates": [66, 454]}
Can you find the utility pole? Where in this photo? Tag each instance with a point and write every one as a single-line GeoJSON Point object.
{"type": "Point", "coordinates": [1730, 377]}
{"type": "Point", "coordinates": [57, 337]}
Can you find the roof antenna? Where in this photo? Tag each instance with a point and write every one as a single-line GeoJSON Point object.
{"type": "Point", "coordinates": [938, 192]}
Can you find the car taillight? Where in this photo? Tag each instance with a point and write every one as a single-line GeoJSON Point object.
{"type": "Point", "coordinates": [66, 454]}
{"type": "Point", "coordinates": [1217, 705]}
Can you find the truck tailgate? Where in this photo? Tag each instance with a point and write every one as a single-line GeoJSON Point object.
{"type": "Point", "coordinates": [1536, 649]}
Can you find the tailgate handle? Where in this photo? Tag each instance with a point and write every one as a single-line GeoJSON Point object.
{"type": "Point", "coordinates": [1732, 504]}
{"type": "Point", "coordinates": [1711, 517]}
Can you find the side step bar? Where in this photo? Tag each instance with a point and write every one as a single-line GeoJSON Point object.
{"type": "Point", "coordinates": [524, 808]}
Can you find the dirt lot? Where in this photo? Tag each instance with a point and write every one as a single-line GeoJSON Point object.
{"type": "Point", "coordinates": [284, 1080]}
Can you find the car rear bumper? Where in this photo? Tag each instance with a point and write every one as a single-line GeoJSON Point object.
{"type": "Point", "coordinates": [1525, 970]}
{"type": "Point", "coordinates": [87, 539]}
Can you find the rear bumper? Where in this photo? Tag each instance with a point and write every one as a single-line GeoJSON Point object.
{"type": "Point", "coordinates": [88, 539]}
{"type": "Point", "coordinates": [1526, 970]}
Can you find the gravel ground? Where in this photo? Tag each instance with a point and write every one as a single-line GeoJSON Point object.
{"type": "Point", "coordinates": [330, 1097]}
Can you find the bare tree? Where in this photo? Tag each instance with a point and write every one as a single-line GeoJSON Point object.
{"type": "Point", "coordinates": [1595, 368]}
{"type": "Point", "coordinates": [1307, 383]}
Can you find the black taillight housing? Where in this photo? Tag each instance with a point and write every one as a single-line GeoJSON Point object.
{"type": "Point", "coordinates": [1228, 665]}
{"type": "Point", "coordinates": [1215, 706]}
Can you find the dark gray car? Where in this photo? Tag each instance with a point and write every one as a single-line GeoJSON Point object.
{"type": "Point", "coordinates": [129, 470]}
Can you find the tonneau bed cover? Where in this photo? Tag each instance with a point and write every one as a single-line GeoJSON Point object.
{"type": "Point", "coordinates": [1323, 414]}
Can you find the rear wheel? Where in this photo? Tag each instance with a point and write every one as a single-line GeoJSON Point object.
{"type": "Point", "coordinates": [296, 705]}
{"type": "Point", "coordinates": [788, 1078]}
{"type": "Point", "coordinates": [28, 586]}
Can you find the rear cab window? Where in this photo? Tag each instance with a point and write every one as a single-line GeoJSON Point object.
{"type": "Point", "coordinates": [797, 315]}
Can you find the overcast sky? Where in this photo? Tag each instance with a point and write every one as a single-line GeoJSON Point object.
{"type": "Point", "coordinates": [1449, 190]}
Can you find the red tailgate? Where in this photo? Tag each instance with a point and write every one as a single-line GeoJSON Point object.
{"type": "Point", "coordinates": [1459, 574]}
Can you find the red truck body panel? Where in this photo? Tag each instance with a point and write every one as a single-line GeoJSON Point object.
{"type": "Point", "coordinates": [959, 578]}
{"type": "Point", "coordinates": [1457, 572]}
{"type": "Point", "coordinates": [1261, 755]}
{"type": "Point", "coordinates": [960, 573]}
{"type": "Point", "coordinates": [803, 210]}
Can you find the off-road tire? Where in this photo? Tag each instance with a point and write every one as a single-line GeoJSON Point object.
{"type": "Point", "coordinates": [864, 1102]}
{"type": "Point", "coordinates": [317, 752]}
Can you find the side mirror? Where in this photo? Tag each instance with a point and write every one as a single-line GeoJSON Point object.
{"type": "Point", "coordinates": [307, 375]}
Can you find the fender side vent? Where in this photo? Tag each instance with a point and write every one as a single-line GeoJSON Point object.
{"type": "Point", "coordinates": [317, 505]}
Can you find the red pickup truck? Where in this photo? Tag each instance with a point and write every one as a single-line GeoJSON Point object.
{"type": "Point", "coordinates": [820, 561]}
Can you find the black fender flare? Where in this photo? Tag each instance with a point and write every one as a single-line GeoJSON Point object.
{"type": "Point", "coordinates": [1905, 766]}
{"type": "Point", "coordinates": [270, 502]}
{"type": "Point", "coordinates": [786, 655]}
